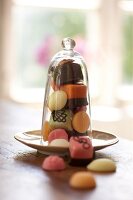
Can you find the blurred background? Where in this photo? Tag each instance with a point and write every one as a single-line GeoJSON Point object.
{"type": "Point", "coordinates": [30, 34]}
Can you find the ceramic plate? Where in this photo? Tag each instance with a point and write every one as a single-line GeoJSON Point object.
{"type": "Point", "coordinates": [33, 139]}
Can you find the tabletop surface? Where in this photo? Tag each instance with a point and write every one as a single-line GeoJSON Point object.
{"type": "Point", "coordinates": [21, 175]}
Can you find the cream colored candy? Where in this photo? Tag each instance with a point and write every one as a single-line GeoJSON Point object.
{"type": "Point", "coordinates": [82, 180]}
{"type": "Point", "coordinates": [102, 165]}
{"type": "Point", "coordinates": [59, 143]}
{"type": "Point", "coordinates": [57, 100]}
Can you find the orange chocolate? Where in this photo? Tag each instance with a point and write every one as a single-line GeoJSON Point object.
{"type": "Point", "coordinates": [75, 91]}
{"type": "Point", "coordinates": [46, 130]}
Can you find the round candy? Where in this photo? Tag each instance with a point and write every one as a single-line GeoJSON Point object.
{"type": "Point", "coordinates": [57, 100]}
{"type": "Point", "coordinates": [81, 122]}
{"type": "Point", "coordinates": [57, 134]}
{"type": "Point", "coordinates": [59, 143]}
{"type": "Point", "coordinates": [52, 163]}
{"type": "Point", "coordinates": [46, 130]}
{"type": "Point", "coordinates": [102, 165]}
{"type": "Point", "coordinates": [82, 180]}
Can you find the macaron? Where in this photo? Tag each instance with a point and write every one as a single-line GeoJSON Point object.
{"type": "Point", "coordinates": [53, 163]}
{"type": "Point", "coordinates": [82, 180]}
{"type": "Point", "coordinates": [57, 134]}
{"type": "Point", "coordinates": [57, 100]}
{"type": "Point", "coordinates": [59, 143]}
{"type": "Point", "coordinates": [102, 165]}
{"type": "Point", "coordinates": [81, 121]}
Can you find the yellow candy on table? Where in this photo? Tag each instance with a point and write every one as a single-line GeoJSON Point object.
{"type": "Point", "coordinates": [57, 100]}
{"type": "Point", "coordinates": [102, 165]}
{"type": "Point", "coordinates": [82, 180]}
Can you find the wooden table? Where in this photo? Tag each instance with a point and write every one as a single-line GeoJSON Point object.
{"type": "Point", "coordinates": [21, 175]}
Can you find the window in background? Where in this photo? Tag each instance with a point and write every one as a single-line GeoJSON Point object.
{"type": "Point", "coordinates": [38, 32]}
{"type": "Point", "coordinates": [125, 93]}
{"type": "Point", "coordinates": [128, 49]}
{"type": "Point", "coordinates": [99, 28]}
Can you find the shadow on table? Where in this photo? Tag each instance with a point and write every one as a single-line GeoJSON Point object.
{"type": "Point", "coordinates": [35, 158]}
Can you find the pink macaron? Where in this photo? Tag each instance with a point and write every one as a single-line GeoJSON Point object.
{"type": "Point", "coordinates": [53, 163]}
{"type": "Point", "coordinates": [57, 134]}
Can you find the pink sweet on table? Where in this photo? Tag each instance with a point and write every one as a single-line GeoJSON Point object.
{"type": "Point", "coordinates": [57, 134]}
{"type": "Point", "coordinates": [80, 148]}
{"type": "Point", "coordinates": [52, 163]}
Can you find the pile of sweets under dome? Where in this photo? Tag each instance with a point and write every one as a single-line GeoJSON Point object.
{"type": "Point", "coordinates": [67, 102]}
{"type": "Point", "coordinates": [66, 115]}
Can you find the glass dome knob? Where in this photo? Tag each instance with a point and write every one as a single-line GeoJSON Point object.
{"type": "Point", "coordinates": [68, 43]}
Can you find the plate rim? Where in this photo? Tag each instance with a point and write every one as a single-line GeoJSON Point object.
{"type": "Point", "coordinates": [61, 149]}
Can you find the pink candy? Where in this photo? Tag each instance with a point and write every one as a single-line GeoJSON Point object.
{"type": "Point", "coordinates": [57, 134]}
{"type": "Point", "coordinates": [80, 148]}
{"type": "Point", "coordinates": [52, 163]}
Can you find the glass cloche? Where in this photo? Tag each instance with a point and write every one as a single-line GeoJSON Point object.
{"type": "Point", "coordinates": [67, 99]}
